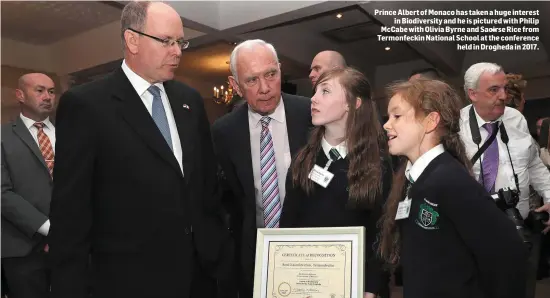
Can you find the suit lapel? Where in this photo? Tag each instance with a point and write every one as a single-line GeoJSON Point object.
{"type": "Point", "coordinates": [297, 132]}
{"type": "Point", "coordinates": [134, 112]}
{"type": "Point", "coordinates": [23, 133]}
{"type": "Point", "coordinates": [184, 123]}
{"type": "Point", "coordinates": [243, 155]}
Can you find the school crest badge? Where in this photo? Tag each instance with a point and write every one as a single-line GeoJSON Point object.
{"type": "Point", "coordinates": [427, 217]}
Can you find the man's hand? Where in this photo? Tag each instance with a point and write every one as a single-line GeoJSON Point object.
{"type": "Point", "coordinates": [546, 208]}
{"type": "Point", "coordinates": [46, 248]}
{"type": "Point", "coordinates": [369, 295]}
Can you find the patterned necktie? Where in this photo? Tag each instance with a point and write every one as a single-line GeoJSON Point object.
{"type": "Point", "coordinates": [409, 183]}
{"type": "Point", "coordinates": [490, 160]}
{"type": "Point", "coordinates": [270, 182]}
{"type": "Point", "coordinates": [159, 115]}
{"type": "Point", "coordinates": [334, 154]}
{"type": "Point", "coordinates": [411, 180]}
{"type": "Point", "coordinates": [45, 146]}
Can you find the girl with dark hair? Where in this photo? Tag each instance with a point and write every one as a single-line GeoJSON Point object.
{"type": "Point", "coordinates": [349, 138]}
{"type": "Point", "coordinates": [439, 223]}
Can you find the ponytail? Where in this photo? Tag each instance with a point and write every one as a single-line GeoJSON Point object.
{"type": "Point", "coordinates": [390, 240]}
{"type": "Point", "coordinates": [454, 145]}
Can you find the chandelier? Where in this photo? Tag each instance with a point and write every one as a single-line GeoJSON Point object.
{"type": "Point", "coordinates": [223, 94]}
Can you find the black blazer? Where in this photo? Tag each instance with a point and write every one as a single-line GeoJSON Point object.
{"type": "Point", "coordinates": [328, 207]}
{"type": "Point", "coordinates": [26, 191]}
{"type": "Point", "coordinates": [120, 194]}
{"type": "Point", "coordinates": [231, 137]}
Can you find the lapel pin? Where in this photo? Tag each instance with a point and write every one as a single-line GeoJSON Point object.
{"type": "Point", "coordinates": [186, 107]}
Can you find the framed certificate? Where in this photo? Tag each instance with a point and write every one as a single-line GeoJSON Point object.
{"type": "Point", "coordinates": [310, 263]}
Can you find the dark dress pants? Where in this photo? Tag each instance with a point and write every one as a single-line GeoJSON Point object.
{"type": "Point", "coordinates": [28, 276]}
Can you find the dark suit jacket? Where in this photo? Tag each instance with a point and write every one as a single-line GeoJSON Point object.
{"type": "Point", "coordinates": [26, 190]}
{"type": "Point", "coordinates": [120, 194]}
{"type": "Point", "coordinates": [231, 137]}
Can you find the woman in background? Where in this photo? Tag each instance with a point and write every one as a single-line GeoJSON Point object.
{"type": "Point", "coordinates": [515, 88]}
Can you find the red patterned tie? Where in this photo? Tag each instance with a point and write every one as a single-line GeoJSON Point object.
{"type": "Point", "coordinates": [45, 146]}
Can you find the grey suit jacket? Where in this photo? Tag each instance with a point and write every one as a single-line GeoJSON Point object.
{"type": "Point", "coordinates": [26, 190]}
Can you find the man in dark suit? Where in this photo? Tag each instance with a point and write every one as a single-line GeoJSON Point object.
{"type": "Point", "coordinates": [255, 143]}
{"type": "Point", "coordinates": [27, 160]}
{"type": "Point", "coordinates": [135, 178]}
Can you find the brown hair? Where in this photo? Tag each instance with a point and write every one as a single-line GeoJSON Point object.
{"type": "Point", "coordinates": [426, 96]}
{"type": "Point", "coordinates": [365, 141]}
{"type": "Point", "coordinates": [515, 86]}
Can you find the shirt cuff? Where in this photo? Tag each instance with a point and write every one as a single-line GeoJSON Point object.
{"type": "Point", "coordinates": [45, 228]}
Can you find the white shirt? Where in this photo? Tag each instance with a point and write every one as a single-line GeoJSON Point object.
{"type": "Point", "coordinates": [49, 130]}
{"type": "Point", "coordinates": [341, 148]}
{"type": "Point", "coordinates": [279, 135]}
{"type": "Point", "coordinates": [141, 86]}
{"type": "Point", "coordinates": [525, 156]}
{"type": "Point", "coordinates": [413, 171]}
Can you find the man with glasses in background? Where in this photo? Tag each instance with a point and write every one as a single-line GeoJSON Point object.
{"type": "Point", "coordinates": [510, 162]}
{"type": "Point", "coordinates": [135, 178]}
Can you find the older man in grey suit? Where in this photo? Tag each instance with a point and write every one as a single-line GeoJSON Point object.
{"type": "Point", "coordinates": [27, 164]}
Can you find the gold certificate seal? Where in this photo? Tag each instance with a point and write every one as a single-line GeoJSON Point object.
{"type": "Point", "coordinates": [284, 289]}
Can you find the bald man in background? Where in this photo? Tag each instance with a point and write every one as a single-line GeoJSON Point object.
{"type": "Point", "coordinates": [28, 146]}
{"type": "Point", "coordinates": [324, 61]}
{"type": "Point", "coordinates": [429, 73]}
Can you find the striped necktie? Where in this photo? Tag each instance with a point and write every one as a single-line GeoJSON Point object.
{"type": "Point", "coordinates": [408, 185]}
{"type": "Point", "coordinates": [45, 146]}
{"type": "Point", "coordinates": [270, 182]}
{"type": "Point", "coordinates": [334, 154]}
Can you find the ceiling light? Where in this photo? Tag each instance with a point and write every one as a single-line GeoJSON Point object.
{"type": "Point", "coordinates": [387, 48]}
{"type": "Point", "coordinates": [339, 16]}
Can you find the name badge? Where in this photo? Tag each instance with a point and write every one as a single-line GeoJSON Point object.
{"type": "Point", "coordinates": [403, 209]}
{"type": "Point", "coordinates": [320, 176]}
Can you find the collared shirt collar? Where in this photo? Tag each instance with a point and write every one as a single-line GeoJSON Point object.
{"type": "Point", "coordinates": [341, 148]}
{"type": "Point", "coordinates": [481, 122]}
{"type": "Point", "coordinates": [413, 171]}
{"type": "Point", "coordinates": [277, 115]}
{"type": "Point", "coordinates": [139, 84]}
{"type": "Point", "coordinates": [30, 123]}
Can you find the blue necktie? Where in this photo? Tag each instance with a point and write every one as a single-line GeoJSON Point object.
{"type": "Point", "coordinates": [159, 115]}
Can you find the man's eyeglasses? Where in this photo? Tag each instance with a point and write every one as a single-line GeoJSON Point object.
{"type": "Point", "coordinates": [182, 43]}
